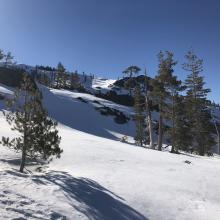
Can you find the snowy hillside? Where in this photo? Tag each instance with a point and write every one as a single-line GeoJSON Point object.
{"type": "Point", "coordinates": [68, 109]}
{"type": "Point", "coordinates": [100, 178]}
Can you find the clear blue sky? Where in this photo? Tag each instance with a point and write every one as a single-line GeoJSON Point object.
{"type": "Point", "coordinates": [105, 36]}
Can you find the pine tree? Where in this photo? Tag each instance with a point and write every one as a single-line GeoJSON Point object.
{"type": "Point", "coordinates": [139, 117]}
{"type": "Point", "coordinates": [198, 113]}
{"type": "Point", "coordinates": [148, 111]}
{"type": "Point", "coordinates": [1, 54]}
{"type": "Point", "coordinates": [130, 72]}
{"type": "Point", "coordinates": [8, 59]}
{"type": "Point", "coordinates": [65, 78]}
{"type": "Point", "coordinates": [60, 76]}
{"type": "Point", "coordinates": [214, 119]}
{"type": "Point", "coordinates": [173, 112]}
{"type": "Point", "coordinates": [38, 134]}
{"type": "Point", "coordinates": [158, 96]}
{"type": "Point", "coordinates": [161, 91]}
{"type": "Point", "coordinates": [180, 136]}
{"type": "Point", "coordinates": [74, 80]}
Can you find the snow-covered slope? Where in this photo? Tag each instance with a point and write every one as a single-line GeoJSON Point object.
{"type": "Point", "coordinates": [79, 111]}
{"type": "Point", "coordinates": [101, 178]}
{"type": "Point", "coordinates": [66, 108]}
{"type": "Point", "coordinates": [102, 83]}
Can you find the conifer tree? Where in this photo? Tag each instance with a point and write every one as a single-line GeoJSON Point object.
{"type": "Point", "coordinates": [130, 72]}
{"type": "Point", "coordinates": [161, 91]}
{"type": "Point", "coordinates": [65, 78]}
{"type": "Point", "coordinates": [74, 80]}
{"type": "Point", "coordinates": [158, 95]}
{"type": "Point", "coordinates": [38, 134]}
{"type": "Point", "coordinates": [198, 112]}
{"type": "Point", "coordinates": [148, 111]}
{"type": "Point", "coordinates": [173, 113]}
{"type": "Point", "coordinates": [1, 54]}
{"type": "Point", "coordinates": [139, 117]}
{"type": "Point", "coordinates": [181, 138]}
{"type": "Point", "coordinates": [214, 119]}
{"type": "Point", "coordinates": [8, 59]}
{"type": "Point", "coordinates": [60, 77]}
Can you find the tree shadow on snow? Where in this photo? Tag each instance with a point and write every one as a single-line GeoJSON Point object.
{"type": "Point", "coordinates": [17, 161]}
{"type": "Point", "coordinates": [90, 198]}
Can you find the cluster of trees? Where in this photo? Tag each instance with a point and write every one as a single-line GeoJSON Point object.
{"type": "Point", "coordinates": [54, 77]}
{"type": "Point", "coordinates": [38, 137]}
{"type": "Point", "coordinates": [216, 105]}
{"type": "Point", "coordinates": [59, 78]}
{"type": "Point", "coordinates": [7, 58]}
{"type": "Point", "coordinates": [185, 118]}
{"type": "Point", "coordinates": [46, 68]}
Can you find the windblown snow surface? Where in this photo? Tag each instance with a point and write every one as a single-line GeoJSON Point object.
{"type": "Point", "coordinates": [100, 178]}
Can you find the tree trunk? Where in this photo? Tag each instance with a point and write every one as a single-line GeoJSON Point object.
{"type": "Point", "coordinates": [23, 156]}
{"type": "Point", "coordinates": [173, 150]}
{"type": "Point", "coordinates": [130, 77]}
{"type": "Point", "coordinates": [56, 80]}
{"type": "Point", "coordinates": [23, 159]}
{"type": "Point", "coordinates": [202, 150]}
{"type": "Point", "coordinates": [218, 143]}
{"type": "Point", "coordinates": [6, 63]}
{"type": "Point", "coordinates": [160, 135]}
{"type": "Point", "coordinates": [149, 122]}
{"type": "Point", "coordinates": [217, 133]}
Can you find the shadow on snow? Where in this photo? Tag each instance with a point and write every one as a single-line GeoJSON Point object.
{"type": "Point", "coordinates": [90, 198]}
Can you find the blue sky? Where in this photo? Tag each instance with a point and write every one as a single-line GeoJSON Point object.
{"type": "Point", "coordinates": [105, 36]}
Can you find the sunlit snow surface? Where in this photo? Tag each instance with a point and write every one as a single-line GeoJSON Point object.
{"type": "Point", "coordinates": [100, 178]}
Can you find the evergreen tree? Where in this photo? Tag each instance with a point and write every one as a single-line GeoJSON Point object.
{"type": "Point", "coordinates": [180, 136]}
{"type": "Point", "coordinates": [84, 77]}
{"type": "Point", "coordinates": [139, 117]}
{"type": "Point", "coordinates": [158, 96]}
{"type": "Point", "coordinates": [74, 80]}
{"type": "Point", "coordinates": [65, 78]}
{"type": "Point", "coordinates": [1, 54]}
{"type": "Point", "coordinates": [38, 134]}
{"type": "Point", "coordinates": [161, 91]}
{"type": "Point", "coordinates": [214, 119]}
{"type": "Point", "coordinates": [148, 111]}
{"type": "Point", "coordinates": [130, 72]}
{"type": "Point", "coordinates": [198, 113]}
{"type": "Point", "coordinates": [173, 112]}
{"type": "Point", "coordinates": [60, 77]}
{"type": "Point", "coordinates": [8, 59]}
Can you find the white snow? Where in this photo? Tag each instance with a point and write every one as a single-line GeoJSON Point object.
{"type": "Point", "coordinates": [101, 178]}
{"type": "Point", "coordinates": [64, 107]}
{"type": "Point", "coordinates": [5, 91]}
{"type": "Point", "coordinates": [102, 83]}
{"type": "Point", "coordinates": [91, 98]}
